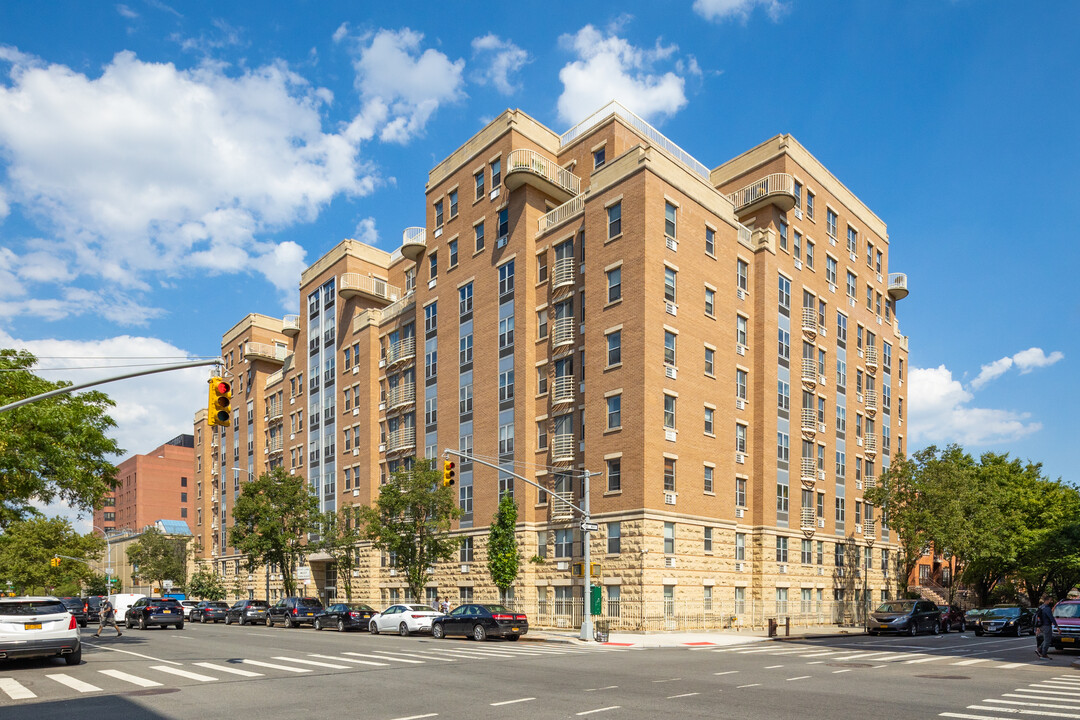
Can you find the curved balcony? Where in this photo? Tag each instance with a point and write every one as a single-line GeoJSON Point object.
{"type": "Point", "coordinates": [413, 242]}
{"type": "Point", "coordinates": [561, 214]}
{"type": "Point", "coordinates": [290, 325]}
{"type": "Point", "coordinates": [562, 389]}
{"type": "Point", "coordinates": [401, 439]}
{"type": "Point", "coordinates": [871, 402]}
{"type": "Point", "coordinates": [274, 412]}
{"type": "Point", "coordinates": [871, 358]}
{"type": "Point", "coordinates": [870, 444]}
{"type": "Point", "coordinates": [809, 422]}
{"type": "Point", "coordinates": [401, 396]}
{"type": "Point", "coordinates": [401, 351]}
{"type": "Point", "coordinates": [274, 445]}
{"type": "Point", "coordinates": [355, 284]}
{"type": "Point", "coordinates": [265, 351]}
{"type": "Point", "coordinates": [776, 189]}
{"type": "Point", "coordinates": [868, 528]}
{"type": "Point", "coordinates": [808, 520]}
{"type": "Point", "coordinates": [897, 286]}
{"type": "Point", "coordinates": [528, 167]}
{"type": "Point", "coordinates": [563, 448]}
{"type": "Point", "coordinates": [869, 482]}
{"type": "Point", "coordinates": [809, 373]}
{"type": "Point", "coordinates": [809, 322]}
{"type": "Point", "coordinates": [559, 502]}
{"type": "Point", "coordinates": [562, 275]}
{"type": "Point", "coordinates": [808, 470]}
{"type": "Point", "coordinates": [562, 332]}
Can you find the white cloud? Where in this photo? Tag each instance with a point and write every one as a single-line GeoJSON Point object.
{"type": "Point", "coordinates": [994, 370]}
{"type": "Point", "coordinates": [126, 12]}
{"type": "Point", "coordinates": [609, 67]}
{"type": "Point", "coordinates": [939, 413]}
{"type": "Point", "coordinates": [1025, 361]}
{"type": "Point", "coordinates": [501, 59]}
{"type": "Point", "coordinates": [740, 9]}
{"type": "Point", "coordinates": [402, 85]}
{"type": "Point", "coordinates": [341, 33]}
{"type": "Point", "coordinates": [366, 233]}
{"type": "Point", "coordinates": [149, 170]}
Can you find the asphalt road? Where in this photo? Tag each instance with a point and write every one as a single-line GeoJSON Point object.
{"type": "Point", "coordinates": [214, 671]}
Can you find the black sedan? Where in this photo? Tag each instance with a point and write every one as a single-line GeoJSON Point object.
{"type": "Point", "coordinates": [247, 611]}
{"type": "Point", "coordinates": [480, 622]}
{"type": "Point", "coordinates": [209, 611]}
{"type": "Point", "coordinates": [1006, 620]}
{"type": "Point", "coordinates": [149, 611]}
{"type": "Point", "coordinates": [904, 616]}
{"type": "Point", "coordinates": [77, 607]}
{"type": "Point", "coordinates": [345, 617]}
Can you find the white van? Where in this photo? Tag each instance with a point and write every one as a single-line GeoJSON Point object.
{"type": "Point", "coordinates": [121, 602]}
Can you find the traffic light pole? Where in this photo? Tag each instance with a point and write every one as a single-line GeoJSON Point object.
{"type": "Point", "coordinates": [586, 528]}
{"type": "Point", "coordinates": [125, 376]}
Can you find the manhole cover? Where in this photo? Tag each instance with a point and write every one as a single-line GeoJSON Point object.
{"type": "Point", "coordinates": [152, 691]}
{"type": "Point", "coordinates": [944, 677]}
{"type": "Point", "coordinates": [849, 665]}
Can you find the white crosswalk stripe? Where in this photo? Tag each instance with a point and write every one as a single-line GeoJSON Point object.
{"type": "Point", "coordinates": [227, 669]}
{"type": "Point", "coordinates": [183, 673]}
{"type": "Point", "coordinates": [74, 683]}
{"type": "Point", "coordinates": [15, 690]}
{"type": "Point", "coordinates": [272, 666]}
{"type": "Point", "coordinates": [1039, 699]}
{"type": "Point", "coordinates": [316, 663]}
{"type": "Point", "coordinates": [383, 657]}
{"type": "Point", "coordinates": [351, 660]}
{"type": "Point", "coordinates": [133, 679]}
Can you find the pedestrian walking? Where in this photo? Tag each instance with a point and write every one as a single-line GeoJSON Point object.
{"type": "Point", "coordinates": [107, 617]}
{"type": "Point", "coordinates": [1044, 627]}
{"type": "Point", "coordinates": [445, 608]}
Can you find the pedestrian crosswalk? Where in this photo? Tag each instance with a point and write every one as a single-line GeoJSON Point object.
{"type": "Point", "coordinates": [816, 656]}
{"type": "Point", "coordinates": [31, 685]}
{"type": "Point", "coordinates": [1047, 698]}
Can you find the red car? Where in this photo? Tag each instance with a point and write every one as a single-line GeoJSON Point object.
{"type": "Point", "coordinates": [952, 617]}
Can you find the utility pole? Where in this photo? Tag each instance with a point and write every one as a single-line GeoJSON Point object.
{"type": "Point", "coordinates": [587, 527]}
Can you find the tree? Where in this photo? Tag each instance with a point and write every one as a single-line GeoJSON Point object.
{"type": "Point", "coordinates": [205, 585]}
{"type": "Point", "coordinates": [28, 546]}
{"type": "Point", "coordinates": [897, 494]}
{"type": "Point", "coordinates": [411, 520]}
{"type": "Point", "coordinates": [340, 536]}
{"type": "Point", "coordinates": [53, 449]}
{"type": "Point", "coordinates": [158, 557]}
{"type": "Point", "coordinates": [503, 560]}
{"type": "Point", "coordinates": [272, 518]}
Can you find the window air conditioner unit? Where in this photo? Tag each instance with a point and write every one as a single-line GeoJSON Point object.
{"type": "Point", "coordinates": [671, 308]}
{"type": "Point", "coordinates": [670, 435]}
{"type": "Point", "coordinates": [669, 498]}
{"type": "Point", "coordinates": [356, 573]}
{"type": "Point", "coordinates": [740, 349]}
{"type": "Point", "coordinates": [740, 404]}
{"type": "Point", "coordinates": [821, 427]}
{"type": "Point", "coordinates": [672, 243]}
{"type": "Point", "coordinates": [562, 565]}
{"type": "Point", "coordinates": [832, 288]}
{"type": "Point", "coordinates": [798, 264]}
{"type": "Point", "coordinates": [740, 458]}
{"type": "Point", "coordinates": [851, 302]}
{"type": "Point", "coordinates": [741, 293]}
{"type": "Point", "coordinates": [858, 484]}
{"type": "Point", "coordinates": [782, 569]}
{"type": "Point", "coordinates": [821, 522]}
{"type": "Point", "coordinates": [738, 567]}
{"type": "Point", "coordinates": [858, 441]}
{"type": "Point", "coordinates": [464, 567]}
{"type": "Point", "coordinates": [393, 572]}
{"type": "Point", "coordinates": [438, 231]}
{"type": "Point", "coordinates": [669, 562]}
{"type": "Point", "coordinates": [739, 512]}
{"type": "Point", "coordinates": [821, 571]}
{"type": "Point", "coordinates": [501, 242]}
{"type": "Point", "coordinates": [671, 371]}
{"type": "Point", "coordinates": [798, 214]}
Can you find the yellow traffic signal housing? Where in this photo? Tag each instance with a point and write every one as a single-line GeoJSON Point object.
{"type": "Point", "coordinates": [448, 473]}
{"type": "Point", "coordinates": [55, 562]}
{"type": "Point", "coordinates": [578, 570]}
{"type": "Point", "coordinates": [219, 404]}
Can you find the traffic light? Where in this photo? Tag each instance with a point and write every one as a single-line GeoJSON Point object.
{"type": "Point", "coordinates": [55, 562]}
{"type": "Point", "coordinates": [219, 405]}
{"type": "Point", "coordinates": [448, 473]}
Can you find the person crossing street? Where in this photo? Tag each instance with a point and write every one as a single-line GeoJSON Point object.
{"type": "Point", "coordinates": [1045, 622]}
{"type": "Point", "coordinates": [107, 617]}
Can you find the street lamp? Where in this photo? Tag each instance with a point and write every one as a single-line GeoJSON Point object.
{"type": "Point", "coordinates": [868, 533]}
{"type": "Point", "coordinates": [108, 567]}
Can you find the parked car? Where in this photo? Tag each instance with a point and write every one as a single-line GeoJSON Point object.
{"type": "Point", "coordinates": [77, 607]}
{"type": "Point", "coordinates": [149, 611]}
{"type": "Point", "coordinates": [188, 606]}
{"type": "Point", "coordinates": [481, 622]}
{"type": "Point", "coordinates": [93, 608]}
{"type": "Point", "coordinates": [952, 617]}
{"type": "Point", "coordinates": [38, 626]}
{"type": "Point", "coordinates": [904, 616]}
{"type": "Point", "coordinates": [292, 611]}
{"type": "Point", "coordinates": [405, 619]}
{"type": "Point", "coordinates": [1006, 620]}
{"type": "Point", "coordinates": [971, 617]}
{"type": "Point", "coordinates": [209, 611]}
{"type": "Point", "coordinates": [247, 611]}
{"type": "Point", "coordinates": [1067, 632]}
{"type": "Point", "coordinates": [345, 617]}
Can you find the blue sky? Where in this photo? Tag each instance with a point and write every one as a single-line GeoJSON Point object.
{"type": "Point", "coordinates": [166, 168]}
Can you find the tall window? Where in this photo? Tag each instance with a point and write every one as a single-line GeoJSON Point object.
{"type": "Point", "coordinates": [852, 240]}
{"type": "Point", "coordinates": [781, 549]}
{"type": "Point", "coordinates": [614, 412]}
{"type": "Point", "coordinates": [851, 282]}
{"type": "Point", "coordinates": [740, 438]}
{"type": "Point", "coordinates": [710, 241]}
{"type": "Point", "coordinates": [740, 384]}
{"type": "Point", "coordinates": [707, 535]}
{"type": "Point", "coordinates": [710, 361]}
{"type": "Point", "coordinates": [614, 348]}
{"type": "Point", "coordinates": [465, 297]}
{"type": "Point", "coordinates": [496, 173]}
{"type": "Point", "coordinates": [809, 204]}
{"type": "Point", "coordinates": [614, 284]}
{"type": "Point", "coordinates": [614, 220]}
{"type": "Point", "coordinates": [452, 245]}
{"type": "Point", "coordinates": [740, 548]}
{"type": "Point", "coordinates": [669, 474]}
{"type": "Point", "coordinates": [830, 269]}
{"type": "Point", "coordinates": [506, 277]}
{"type": "Point", "coordinates": [740, 329]}
{"type": "Point", "coordinates": [784, 287]}
{"type": "Point", "coordinates": [506, 332]}
{"type": "Point", "coordinates": [784, 345]}
{"type": "Point", "coordinates": [439, 214]}
{"type": "Point", "coordinates": [669, 220]}
{"type": "Point", "coordinates": [740, 492]}
{"type": "Point", "coordinates": [504, 222]}
{"type": "Point", "coordinates": [433, 265]}
{"type": "Point", "coordinates": [669, 538]}
{"type": "Point", "coordinates": [783, 235]}
{"type": "Point", "coordinates": [669, 284]}
{"type": "Point", "coordinates": [708, 482]}
{"type": "Point", "coordinates": [830, 223]}
{"type": "Point", "coordinates": [614, 475]}
{"type": "Point", "coordinates": [669, 412]}
{"type": "Point", "coordinates": [479, 181]}
{"type": "Point", "coordinates": [614, 538]}
{"type": "Point", "coordinates": [478, 236]}
{"type": "Point", "coordinates": [709, 423]}
{"type": "Point", "coordinates": [669, 347]}
{"type": "Point", "coordinates": [453, 204]}
{"type": "Point", "coordinates": [781, 497]}
{"type": "Point", "coordinates": [506, 385]}
{"type": "Point", "coordinates": [710, 301]}
{"type": "Point", "coordinates": [741, 269]}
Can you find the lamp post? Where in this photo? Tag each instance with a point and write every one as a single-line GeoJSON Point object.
{"type": "Point", "coordinates": [108, 567]}
{"type": "Point", "coordinates": [868, 533]}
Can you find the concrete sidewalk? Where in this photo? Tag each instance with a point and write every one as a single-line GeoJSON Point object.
{"type": "Point", "coordinates": [693, 639]}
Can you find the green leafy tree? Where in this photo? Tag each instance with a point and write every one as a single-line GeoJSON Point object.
{"type": "Point", "coordinates": [411, 520]}
{"type": "Point", "coordinates": [28, 546]}
{"type": "Point", "coordinates": [53, 449]}
{"type": "Point", "coordinates": [897, 493]}
{"type": "Point", "coordinates": [272, 518]}
{"type": "Point", "coordinates": [340, 536]}
{"type": "Point", "coordinates": [205, 585]}
{"type": "Point", "coordinates": [98, 585]}
{"type": "Point", "coordinates": [503, 560]}
{"type": "Point", "coordinates": [158, 557]}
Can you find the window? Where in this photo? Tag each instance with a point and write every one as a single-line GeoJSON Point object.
{"type": "Point", "coordinates": [479, 179]}
{"type": "Point", "coordinates": [783, 395]}
{"type": "Point", "coordinates": [851, 281]}
{"type": "Point", "coordinates": [614, 475]}
{"type": "Point", "coordinates": [784, 287]}
{"type": "Point", "coordinates": [669, 220]}
{"type": "Point", "coordinates": [433, 265]}
{"type": "Point", "coordinates": [614, 221]}
{"type": "Point", "coordinates": [496, 173]}
{"type": "Point", "coordinates": [710, 302]}
{"type": "Point", "coordinates": [809, 204]}
{"type": "Point", "coordinates": [614, 348]}
{"type": "Point", "coordinates": [506, 440]}
{"type": "Point", "coordinates": [869, 254]}
{"type": "Point", "coordinates": [740, 384]}
{"type": "Point", "coordinates": [669, 474]}
{"type": "Point", "coordinates": [466, 551]}
{"type": "Point", "coordinates": [740, 550]}
{"type": "Point", "coordinates": [830, 223]}
{"type": "Point", "coordinates": [598, 158]}
{"type": "Point", "coordinates": [781, 497]}
{"type": "Point", "coordinates": [841, 418]}
{"type": "Point", "coordinates": [669, 284]}
{"type": "Point", "coordinates": [506, 278]}
{"type": "Point", "coordinates": [431, 317]}
{"type": "Point", "coordinates": [841, 465]}
{"type": "Point", "coordinates": [782, 449]}
{"type": "Point", "coordinates": [852, 240]}
{"type": "Point", "coordinates": [841, 327]}
{"type": "Point", "coordinates": [710, 361]}
{"type": "Point", "coordinates": [452, 245]}
{"type": "Point", "coordinates": [740, 329]}
{"type": "Point", "coordinates": [707, 480]}
{"type": "Point", "coordinates": [564, 543]}
{"type": "Point", "coordinates": [453, 204]}
{"type": "Point", "coordinates": [807, 552]}
{"type": "Point", "coordinates": [783, 235]}
{"type": "Point", "coordinates": [614, 538]}
{"type": "Point", "coordinates": [669, 412]}
{"type": "Point", "coordinates": [798, 194]}
{"type": "Point", "coordinates": [781, 552]}
{"type": "Point", "coordinates": [478, 233]}
{"type": "Point", "coordinates": [741, 268]}
{"type": "Point", "coordinates": [465, 398]}
{"type": "Point", "coordinates": [796, 245]}
{"type": "Point", "coordinates": [506, 332]}
{"type": "Point", "coordinates": [541, 324]}
{"type": "Point", "coordinates": [614, 412]}
{"type": "Point", "coordinates": [709, 426]}
{"type": "Point", "coordinates": [784, 346]}
{"type": "Point", "coordinates": [840, 515]}
{"type": "Point", "coordinates": [439, 214]}
{"type": "Point", "coordinates": [740, 492]}
{"type": "Point", "coordinates": [740, 438]}
{"type": "Point", "coordinates": [541, 380]}
{"type": "Point", "coordinates": [504, 223]}
{"type": "Point", "coordinates": [506, 386]}
{"type": "Point", "coordinates": [669, 538]}
{"type": "Point", "coordinates": [614, 284]}
{"type": "Point", "coordinates": [465, 349]}
{"type": "Point", "coordinates": [669, 347]}
{"type": "Point", "coordinates": [830, 269]}
{"type": "Point", "coordinates": [810, 254]}
{"type": "Point", "coordinates": [877, 261]}
{"type": "Point", "coordinates": [465, 296]}
{"type": "Point", "coordinates": [710, 241]}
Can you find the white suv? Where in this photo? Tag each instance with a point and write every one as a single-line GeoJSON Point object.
{"type": "Point", "coordinates": [38, 627]}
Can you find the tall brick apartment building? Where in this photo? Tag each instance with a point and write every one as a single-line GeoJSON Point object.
{"type": "Point", "coordinates": [720, 345]}
{"type": "Point", "coordinates": [156, 486]}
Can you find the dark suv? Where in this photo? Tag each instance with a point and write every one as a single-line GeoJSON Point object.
{"type": "Point", "coordinates": [155, 611]}
{"type": "Point", "coordinates": [77, 607]}
{"type": "Point", "coordinates": [247, 611]}
{"type": "Point", "coordinates": [93, 608]}
{"type": "Point", "coordinates": [292, 611]}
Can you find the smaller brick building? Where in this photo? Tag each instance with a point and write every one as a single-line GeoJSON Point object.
{"type": "Point", "coordinates": [155, 486]}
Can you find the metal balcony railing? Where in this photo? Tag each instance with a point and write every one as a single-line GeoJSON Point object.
{"type": "Point", "coordinates": [401, 351]}
{"type": "Point", "coordinates": [353, 283]}
{"type": "Point", "coordinates": [898, 286]}
{"type": "Point", "coordinates": [274, 411]}
{"type": "Point", "coordinates": [413, 242]}
{"type": "Point", "coordinates": [265, 351]}
{"type": "Point", "coordinates": [809, 371]}
{"type": "Point", "coordinates": [562, 331]}
{"type": "Point", "coordinates": [401, 439]}
{"type": "Point", "coordinates": [561, 214]}
{"type": "Point", "coordinates": [563, 448]}
{"type": "Point", "coordinates": [290, 324]}
{"type": "Point", "coordinates": [809, 420]}
{"type": "Point", "coordinates": [870, 399]}
{"type": "Point", "coordinates": [559, 502]}
{"type": "Point", "coordinates": [780, 185]}
{"type": "Point", "coordinates": [870, 444]}
{"type": "Point", "coordinates": [530, 161]}
{"type": "Point", "coordinates": [807, 518]}
{"type": "Point", "coordinates": [809, 469]}
{"type": "Point", "coordinates": [809, 321]}
{"type": "Point", "coordinates": [563, 273]}
{"type": "Point", "coordinates": [871, 357]}
{"type": "Point", "coordinates": [562, 389]}
{"type": "Point", "coordinates": [869, 482]}
{"type": "Point", "coordinates": [401, 396]}
{"type": "Point", "coordinates": [274, 444]}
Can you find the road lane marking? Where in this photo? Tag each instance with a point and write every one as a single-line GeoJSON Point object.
{"type": "Point", "coordinates": [384, 657]}
{"type": "Point", "coordinates": [726, 672]}
{"type": "Point", "coordinates": [511, 702]}
{"type": "Point", "coordinates": [922, 660]}
{"type": "Point", "coordinates": [128, 652]}
{"type": "Point", "coordinates": [1066, 678]}
{"type": "Point", "coordinates": [272, 666]}
{"type": "Point", "coordinates": [133, 679]}
{"type": "Point", "coordinates": [1021, 711]}
{"type": "Point", "coordinates": [1060, 683]}
{"type": "Point", "coordinates": [1038, 695]}
{"type": "Point", "coordinates": [970, 662]}
{"type": "Point", "coordinates": [820, 654]}
{"type": "Point", "coordinates": [183, 673]}
{"type": "Point", "coordinates": [350, 660]}
{"type": "Point", "coordinates": [612, 687]}
{"type": "Point", "coordinates": [739, 687]}
{"type": "Point", "coordinates": [1010, 666]}
{"type": "Point", "coordinates": [816, 662]}
{"type": "Point", "coordinates": [415, 655]}
{"type": "Point", "coordinates": [316, 663]}
{"type": "Point", "coordinates": [672, 697]}
{"type": "Point", "coordinates": [74, 684]}
{"type": "Point", "coordinates": [841, 671]}
{"type": "Point", "coordinates": [801, 677]}
{"type": "Point", "coordinates": [603, 709]}
{"type": "Point", "coordinates": [224, 668]}
{"type": "Point", "coordinates": [962, 716]}
{"type": "Point", "coordinates": [1033, 704]}
{"type": "Point", "coordinates": [1056, 689]}
{"type": "Point", "coordinates": [668, 680]}
{"type": "Point", "coordinates": [418, 717]}
{"type": "Point", "coordinates": [15, 689]}
{"type": "Point", "coordinates": [772, 667]}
